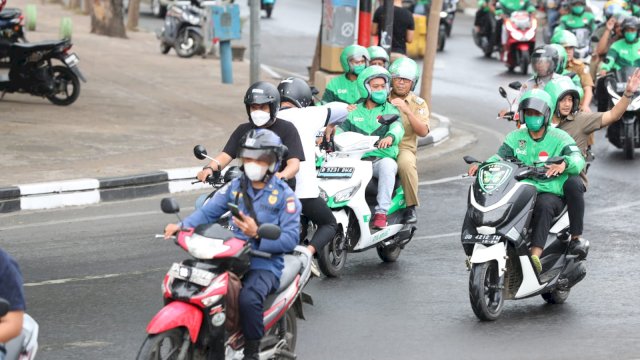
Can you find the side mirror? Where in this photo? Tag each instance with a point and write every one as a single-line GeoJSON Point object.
{"type": "Point", "coordinates": [4, 307]}
{"type": "Point", "coordinates": [169, 206]}
{"type": "Point", "coordinates": [200, 152]}
{"type": "Point", "coordinates": [387, 119]}
{"type": "Point", "coordinates": [470, 159]}
{"type": "Point", "coordinates": [555, 160]}
{"type": "Point", "coordinates": [502, 92]}
{"type": "Point", "coordinates": [516, 85]}
{"type": "Point", "coordinates": [269, 231]}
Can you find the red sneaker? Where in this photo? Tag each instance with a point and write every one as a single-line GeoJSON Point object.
{"type": "Point", "coordinates": [380, 221]}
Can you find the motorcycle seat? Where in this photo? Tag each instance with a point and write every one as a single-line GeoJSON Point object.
{"type": "Point", "coordinates": [372, 189]}
{"type": "Point", "coordinates": [292, 267]}
{"type": "Point", "coordinates": [40, 45]}
{"type": "Point", "coordinates": [8, 14]}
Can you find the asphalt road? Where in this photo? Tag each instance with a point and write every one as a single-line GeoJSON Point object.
{"type": "Point", "coordinates": [94, 273]}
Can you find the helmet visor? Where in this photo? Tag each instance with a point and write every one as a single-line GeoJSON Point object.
{"type": "Point", "coordinates": [542, 65]}
{"type": "Point", "coordinates": [266, 155]}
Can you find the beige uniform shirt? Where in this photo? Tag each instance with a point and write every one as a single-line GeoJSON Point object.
{"type": "Point", "coordinates": [578, 67]}
{"type": "Point", "coordinates": [580, 126]}
{"type": "Point", "coordinates": [420, 109]}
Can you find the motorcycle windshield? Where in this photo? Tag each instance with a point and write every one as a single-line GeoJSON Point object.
{"type": "Point", "coordinates": [493, 181]}
{"type": "Point", "coordinates": [584, 37]}
{"type": "Point", "coordinates": [521, 20]}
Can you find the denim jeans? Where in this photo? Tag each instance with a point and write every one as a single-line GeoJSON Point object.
{"type": "Point", "coordinates": [385, 170]}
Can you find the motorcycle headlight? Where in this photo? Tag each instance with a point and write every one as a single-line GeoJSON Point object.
{"type": "Point", "coordinates": [443, 14]}
{"type": "Point", "coordinates": [491, 218]}
{"type": "Point", "coordinates": [346, 194]}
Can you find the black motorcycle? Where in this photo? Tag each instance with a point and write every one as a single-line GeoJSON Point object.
{"type": "Point", "coordinates": [623, 134]}
{"type": "Point", "coordinates": [32, 71]}
{"type": "Point", "coordinates": [11, 25]}
{"type": "Point", "coordinates": [182, 30]}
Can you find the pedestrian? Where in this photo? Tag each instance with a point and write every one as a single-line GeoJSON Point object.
{"type": "Point", "coordinates": [403, 27]}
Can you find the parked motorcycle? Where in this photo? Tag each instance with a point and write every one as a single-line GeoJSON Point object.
{"type": "Point", "coordinates": [11, 25]}
{"type": "Point", "coordinates": [496, 237]}
{"type": "Point", "coordinates": [624, 134]}
{"type": "Point", "coordinates": [24, 346]}
{"type": "Point", "coordinates": [349, 188]}
{"type": "Point", "coordinates": [521, 40]}
{"type": "Point", "coordinates": [196, 318]}
{"type": "Point", "coordinates": [32, 71]}
{"type": "Point", "coordinates": [182, 30]}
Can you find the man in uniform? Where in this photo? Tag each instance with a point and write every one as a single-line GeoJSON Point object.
{"type": "Point", "coordinates": [354, 59]}
{"type": "Point", "coordinates": [415, 119]}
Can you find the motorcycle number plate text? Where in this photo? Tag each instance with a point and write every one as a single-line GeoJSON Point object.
{"type": "Point", "coordinates": [180, 272]}
{"type": "Point", "coordinates": [487, 239]}
{"type": "Point", "coordinates": [335, 172]}
{"type": "Point", "coordinates": [72, 60]}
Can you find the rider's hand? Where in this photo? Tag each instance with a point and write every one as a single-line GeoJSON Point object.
{"type": "Point", "coordinates": [328, 131]}
{"type": "Point", "coordinates": [634, 82]}
{"type": "Point", "coordinates": [473, 169]}
{"type": "Point", "coordinates": [351, 107]}
{"type": "Point", "coordinates": [247, 225]}
{"type": "Point", "coordinates": [203, 174]}
{"type": "Point", "coordinates": [502, 112]}
{"type": "Point", "coordinates": [385, 143]}
{"type": "Point", "coordinates": [602, 73]}
{"type": "Point", "coordinates": [611, 23]}
{"type": "Point", "coordinates": [401, 105]}
{"type": "Point", "coordinates": [555, 169]}
{"type": "Point", "coordinates": [170, 230]}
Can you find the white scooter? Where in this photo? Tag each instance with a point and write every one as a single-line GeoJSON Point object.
{"type": "Point", "coordinates": [348, 187]}
{"type": "Point", "coordinates": [25, 345]}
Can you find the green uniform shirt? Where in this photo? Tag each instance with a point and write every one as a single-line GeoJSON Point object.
{"type": "Point", "coordinates": [622, 54]}
{"type": "Point", "coordinates": [509, 6]}
{"type": "Point", "coordinates": [555, 142]}
{"type": "Point", "coordinates": [340, 88]}
{"type": "Point", "coordinates": [365, 121]}
{"type": "Point", "coordinates": [584, 21]}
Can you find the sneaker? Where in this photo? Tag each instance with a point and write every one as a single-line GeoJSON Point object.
{"type": "Point", "coordinates": [410, 216]}
{"type": "Point", "coordinates": [315, 269]}
{"type": "Point", "coordinates": [380, 221]}
{"type": "Point", "coordinates": [579, 247]}
{"type": "Point", "coordinates": [537, 265]}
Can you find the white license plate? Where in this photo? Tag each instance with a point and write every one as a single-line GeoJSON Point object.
{"type": "Point", "coordinates": [335, 172]}
{"type": "Point", "coordinates": [194, 275]}
{"type": "Point", "coordinates": [72, 60]}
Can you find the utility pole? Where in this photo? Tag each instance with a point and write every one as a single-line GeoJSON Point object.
{"type": "Point", "coordinates": [364, 21]}
{"type": "Point", "coordinates": [254, 35]}
{"type": "Point", "coordinates": [433, 24]}
{"type": "Point", "coordinates": [386, 33]}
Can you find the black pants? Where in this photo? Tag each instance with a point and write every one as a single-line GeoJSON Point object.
{"type": "Point", "coordinates": [256, 285]}
{"type": "Point", "coordinates": [317, 211]}
{"type": "Point", "coordinates": [574, 195]}
{"type": "Point", "coordinates": [547, 207]}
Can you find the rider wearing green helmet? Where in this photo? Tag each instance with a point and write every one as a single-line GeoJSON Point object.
{"type": "Point", "coordinates": [354, 59]}
{"type": "Point", "coordinates": [569, 41]}
{"type": "Point", "coordinates": [578, 18]}
{"type": "Point", "coordinates": [415, 119]}
{"type": "Point", "coordinates": [373, 85]}
{"type": "Point", "coordinates": [378, 56]}
{"type": "Point", "coordinates": [561, 69]}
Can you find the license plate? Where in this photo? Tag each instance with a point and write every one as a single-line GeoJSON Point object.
{"type": "Point", "coordinates": [487, 239]}
{"type": "Point", "coordinates": [72, 60]}
{"type": "Point", "coordinates": [190, 274]}
{"type": "Point", "coordinates": [335, 172]}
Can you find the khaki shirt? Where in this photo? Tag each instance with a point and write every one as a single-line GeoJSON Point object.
{"type": "Point", "coordinates": [580, 126]}
{"type": "Point", "coordinates": [578, 67]}
{"type": "Point", "coordinates": [420, 109]}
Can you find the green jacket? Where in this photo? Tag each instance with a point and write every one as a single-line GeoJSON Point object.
{"type": "Point", "coordinates": [570, 21]}
{"type": "Point", "coordinates": [622, 54]}
{"type": "Point", "coordinates": [509, 6]}
{"type": "Point", "coordinates": [365, 121]}
{"type": "Point", "coordinates": [555, 142]}
{"type": "Point", "coordinates": [340, 88]}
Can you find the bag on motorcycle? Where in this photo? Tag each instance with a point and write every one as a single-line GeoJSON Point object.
{"type": "Point", "coordinates": [233, 312]}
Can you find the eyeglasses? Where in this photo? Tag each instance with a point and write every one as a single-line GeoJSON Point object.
{"type": "Point", "coordinates": [401, 80]}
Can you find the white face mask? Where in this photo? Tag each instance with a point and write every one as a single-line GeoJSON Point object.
{"type": "Point", "coordinates": [260, 118]}
{"type": "Point", "coordinates": [254, 171]}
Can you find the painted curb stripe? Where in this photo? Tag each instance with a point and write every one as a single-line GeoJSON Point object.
{"type": "Point", "coordinates": [58, 186]}
{"type": "Point", "coordinates": [8, 193]}
{"type": "Point", "coordinates": [133, 180]}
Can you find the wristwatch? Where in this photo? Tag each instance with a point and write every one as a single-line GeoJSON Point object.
{"type": "Point", "coordinates": [627, 96]}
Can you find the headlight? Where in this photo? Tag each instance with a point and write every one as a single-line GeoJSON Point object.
{"type": "Point", "coordinates": [346, 194]}
{"type": "Point", "coordinates": [491, 218]}
{"type": "Point", "coordinates": [443, 14]}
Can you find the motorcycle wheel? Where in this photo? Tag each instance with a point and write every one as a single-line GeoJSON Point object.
{"type": "Point", "coordinates": [628, 146]}
{"type": "Point", "coordinates": [442, 36]}
{"type": "Point", "coordinates": [485, 296]}
{"type": "Point", "coordinates": [524, 62]}
{"type": "Point", "coordinates": [388, 253]}
{"type": "Point", "coordinates": [333, 256]}
{"type": "Point", "coordinates": [556, 296]}
{"type": "Point", "coordinates": [165, 345]}
{"type": "Point", "coordinates": [62, 79]}
{"type": "Point", "coordinates": [291, 333]}
{"type": "Point", "coordinates": [189, 44]}
{"type": "Point", "coordinates": [164, 48]}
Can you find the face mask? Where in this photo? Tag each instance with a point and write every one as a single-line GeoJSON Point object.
{"type": "Point", "coordinates": [534, 123]}
{"type": "Point", "coordinates": [260, 118]}
{"type": "Point", "coordinates": [357, 69]}
{"type": "Point", "coordinates": [630, 36]}
{"type": "Point", "coordinates": [254, 171]}
{"type": "Point", "coordinates": [379, 97]}
{"type": "Point", "coordinates": [577, 10]}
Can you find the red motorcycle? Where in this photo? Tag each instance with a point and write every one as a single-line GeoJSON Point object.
{"type": "Point", "coordinates": [197, 320]}
{"type": "Point", "coordinates": [521, 40]}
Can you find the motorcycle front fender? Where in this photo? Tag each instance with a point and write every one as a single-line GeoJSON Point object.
{"type": "Point", "coordinates": [497, 252]}
{"type": "Point", "coordinates": [174, 315]}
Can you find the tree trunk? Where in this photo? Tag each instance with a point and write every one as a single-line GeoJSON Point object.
{"type": "Point", "coordinates": [133, 15]}
{"type": "Point", "coordinates": [107, 19]}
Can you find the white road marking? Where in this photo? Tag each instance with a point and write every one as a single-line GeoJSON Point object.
{"type": "Point", "coordinates": [91, 277]}
{"type": "Point", "coordinates": [427, 237]}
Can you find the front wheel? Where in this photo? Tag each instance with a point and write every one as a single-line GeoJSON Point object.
{"type": "Point", "coordinates": [172, 344]}
{"type": "Point", "coordinates": [441, 37]}
{"type": "Point", "coordinates": [66, 86]}
{"type": "Point", "coordinates": [485, 293]}
{"type": "Point", "coordinates": [388, 253]}
{"type": "Point", "coordinates": [629, 146]}
{"type": "Point", "coordinates": [189, 44]}
{"type": "Point", "coordinates": [557, 296]}
{"type": "Point", "coordinates": [333, 256]}
{"type": "Point", "coordinates": [524, 62]}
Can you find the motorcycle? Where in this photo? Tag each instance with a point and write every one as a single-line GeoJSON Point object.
{"type": "Point", "coordinates": [624, 134]}
{"type": "Point", "coordinates": [349, 188]}
{"type": "Point", "coordinates": [496, 236]}
{"type": "Point", "coordinates": [31, 71]}
{"type": "Point", "coordinates": [197, 320]}
{"type": "Point", "coordinates": [583, 50]}
{"type": "Point", "coordinates": [485, 38]}
{"type": "Point", "coordinates": [25, 345]}
{"type": "Point", "coordinates": [521, 40]}
{"type": "Point", "coordinates": [11, 25]}
{"type": "Point", "coordinates": [182, 30]}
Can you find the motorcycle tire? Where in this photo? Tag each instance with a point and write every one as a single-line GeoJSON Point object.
{"type": "Point", "coordinates": [62, 78]}
{"type": "Point", "coordinates": [154, 346]}
{"type": "Point", "coordinates": [333, 256]}
{"type": "Point", "coordinates": [388, 253]}
{"type": "Point", "coordinates": [164, 48]}
{"type": "Point", "coordinates": [442, 37]}
{"type": "Point", "coordinates": [629, 146]}
{"type": "Point", "coordinates": [291, 333]}
{"type": "Point", "coordinates": [190, 43]}
{"type": "Point", "coordinates": [524, 62]}
{"type": "Point", "coordinates": [556, 296]}
{"type": "Point", "coordinates": [483, 291]}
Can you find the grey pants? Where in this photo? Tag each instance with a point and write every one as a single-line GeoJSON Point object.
{"type": "Point", "coordinates": [385, 170]}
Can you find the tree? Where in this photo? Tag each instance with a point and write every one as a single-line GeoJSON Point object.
{"type": "Point", "coordinates": [107, 19]}
{"type": "Point", "coordinates": [134, 15]}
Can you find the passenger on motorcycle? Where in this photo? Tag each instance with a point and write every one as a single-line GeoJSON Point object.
{"type": "Point", "coordinates": [544, 62]}
{"type": "Point", "coordinates": [415, 120]}
{"type": "Point", "coordinates": [354, 59]}
{"type": "Point", "coordinates": [611, 33]}
{"type": "Point", "coordinates": [11, 289]}
{"type": "Point", "coordinates": [569, 41]}
{"type": "Point", "coordinates": [373, 84]}
{"type": "Point", "coordinates": [624, 52]}
{"type": "Point", "coordinates": [378, 56]}
{"type": "Point", "coordinates": [532, 145]}
{"type": "Point", "coordinates": [262, 198]}
{"type": "Point", "coordinates": [561, 69]}
{"type": "Point", "coordinates": [262, 102]}
{"type": "Point", "coordinates": [578, 18]}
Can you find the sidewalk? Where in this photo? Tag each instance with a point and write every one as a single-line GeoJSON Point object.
{"type": "Point", "coordinates": [139, 112]}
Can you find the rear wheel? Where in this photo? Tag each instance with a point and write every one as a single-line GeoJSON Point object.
{"type": "Point", "coordinates": [286, 329]}
{"type": "Point", "coordinates": [556, 296]}
{"type": "Point", "coordinates": [333, 256]}
{"type": "Point", "coordinates": [66, 86]}
{"type": "Point", "coordinates": [629, 146]}
{"type": "Point", "coordinates": [389, 253]}
{"type": "Point", "coordinates": [189, 44]}
{"type": "Point", "coordinates": [485, 294]}
{"type": "Point", "coordinates": [168, 345]}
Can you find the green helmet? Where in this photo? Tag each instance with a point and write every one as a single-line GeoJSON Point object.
{"type": "Point", "coordinates": [367, 75]}
{"type": "Point", "coordinates": [350, 52]}
{"type": "Point", "coordinates": [561, 87]}
{"type": "Point", "coordinates": [540, 101]}
{"type": "Point", "coordinates": [562, 58]}
{"type": "Point", "coordinates": [405, 68]}
{"type": "Point", "coordinates": [565, 38]}
{"type": "Point", "coordinates": [377, 52]}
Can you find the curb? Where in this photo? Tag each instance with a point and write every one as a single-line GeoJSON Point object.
{"type": "Point", "coordinates": [77, 192]}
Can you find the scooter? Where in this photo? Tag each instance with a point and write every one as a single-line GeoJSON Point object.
{"type": "Point", "coordinates": [349, 188]}
{"type": "Point", "coordinates": [624, 134]}
{"type": "Point", "coordinates": [24, 346]}
{"type": "Point", "coordinates": [198, 320]}
{"type": "Point", "coordinates": [496, 237]}
{"type": "Point", "coordinates": [521, 40]}
{"type": "Point", "coordinates": [31, 71]}
{"type": "Point", "coordinates": [11, 25]}
{"type": "Point", "coordinates": [182, 30]}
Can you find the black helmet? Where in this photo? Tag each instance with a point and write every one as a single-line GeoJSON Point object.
{"type": "Point", "coordinates": [630, 22]}
{"type": "Point", "coordinates": [546, 53]}
{"type": "Point", "coordinates": [295, 91]}
{"type": "Point", "coordinates": [261, 93]}
{"type": "Point", "coordinates": [263, 145]}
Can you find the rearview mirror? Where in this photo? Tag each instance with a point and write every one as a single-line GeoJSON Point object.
{"type": "Point", "coordinates": [502, 92]}
{"type": "Point", "coordinates": [470, 159]}
{"type": "Point", "coordinates": [387, 119]}
{"type": "Point", "coordinates": [516, 85]}
{"type": "Point", "coordinates": [269, 231]}
{"type": "Point", "coordinates": [200, 152]}
{"type": "Point", "coordinates": [169, 206]}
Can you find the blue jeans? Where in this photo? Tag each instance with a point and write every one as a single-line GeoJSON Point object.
{"type": "Point", "coordinates": [385, 169]}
